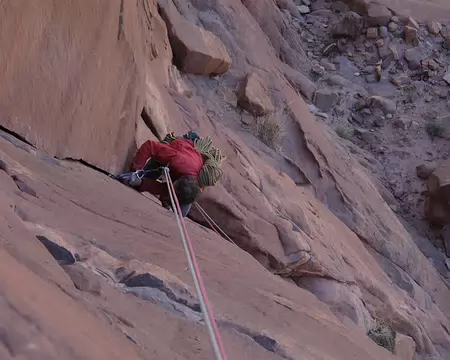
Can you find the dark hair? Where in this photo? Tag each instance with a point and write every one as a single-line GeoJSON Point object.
{"type": "Point", "coordinates": [186, 189]}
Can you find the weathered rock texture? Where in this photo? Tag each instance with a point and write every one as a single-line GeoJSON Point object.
{"type": "Point", "coordinates": [82, 96]}
{"type": "Point", "coordinates": [196, 51]}
{"type": "Point", "coordinates": [253, 95]}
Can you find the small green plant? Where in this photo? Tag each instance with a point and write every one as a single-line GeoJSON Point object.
{"type": "Point", "coordinates": [383, 335]}
{"type": "Point", "coordinates": [270, 130]}
{"type": "Point", "coordinates": [343, 133]}
{"type": "Point", "coordinates": [435, 129]}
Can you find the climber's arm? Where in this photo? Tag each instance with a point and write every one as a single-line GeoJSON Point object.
{"type": "Point", "coordinates": [161, 152]}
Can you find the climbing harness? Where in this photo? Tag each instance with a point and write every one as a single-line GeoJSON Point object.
{"type": "Point", "coordinates": [212, 223]}
{"type": "Point", "coordinates": [205, 305]}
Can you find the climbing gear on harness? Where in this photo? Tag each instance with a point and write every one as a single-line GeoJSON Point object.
{"type": "Point", "coordinates": [169, 138]}
{"type": "Point", "coordinates": [212, 171]}
{"type": "Point", "coordinates": [134, 179]}
{"type": "Point", "coordinates": [205, 305]}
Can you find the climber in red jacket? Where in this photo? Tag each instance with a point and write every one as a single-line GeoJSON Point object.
{"type": "Point", "coordinates": [185, 164]}
{"type": "Point", "coordinates": [193, 163]}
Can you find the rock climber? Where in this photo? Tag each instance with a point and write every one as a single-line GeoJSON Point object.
{"type": "Point", "coordinates": [192, 161]}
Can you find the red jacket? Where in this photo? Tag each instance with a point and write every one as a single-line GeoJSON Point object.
{"type": "Point", "coordinates": [180, 155]}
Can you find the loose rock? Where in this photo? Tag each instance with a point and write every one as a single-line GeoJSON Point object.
{"type": "Point", "coordinates": [414, 58]}
{"type": "Point", "coordinates": [445, 32]}
{"type": "Point", "coordinates": [327, 65]}
{"type": "Point", "coordinates": [410, 34]}
{"type": "Point", "coordinates": [402, 123]}
{"type": "Point", "coordinates": [378, 15]}
{"type": "Point", "coordinates": [303, 9]}
{"type": "Point", "coordinates": [253, 96]}
{"type": "Point", "coordinates": [384, 51]}
{"type": "Point", "coordinates": [434, 27]}
{"type": "Point", "coordinates": [338, 80]}
{"type": "Point", "coordinates": [386, 105]}
{"type": "Point", "coordinates": [350, 25]}
{"type": "Point", "coordinates": [368, 70]}
{"type": "Point", "coordinates": [372, 33]}
{"type": "Point", "coordinates": [393, 27]}
{"type": "Point", "coordinates": [446, 44]}
{"type": "Point", "coordinates": [425, 170]}
{"type": "Point", "coordinates": [413, 23]}
{"type": "Point", "coordinates": [325, 99]}
{"type": "Point", "coordinates": [384, 32]}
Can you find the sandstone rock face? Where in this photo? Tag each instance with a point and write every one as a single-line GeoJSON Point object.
{"type": "Point", "coordinates": [132, 249]}
{"type": "Point", "coordinates": [67, 91]}
{"type": "Point", "coordinates": [301, 83]}
{"type": "Point", "coordinates": [196, 51]}
{"type": "Point", "coordinates": [276, 207]}
{"type": "Point", "coordinates": [253, 96]}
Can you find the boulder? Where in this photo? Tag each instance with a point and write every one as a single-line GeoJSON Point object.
{"type": "Point", "coordinates": [350, 25]}
{"type": "Point", "coordinates": [196, 50]}
{"type": "Point", "coordinates": [378, 15]}
{"type": "Point", "coordinates": [414, 57]}
{"type": "Point", "coordinates": [325, 99]}
{"type": "Point", "coordinates": [434, 27]}
{"type": "Point", "coordinates": [424, 170]}
{"type": "Point", "coordinates": [386, 105]}
{"type": "Point", "coordinates": [253, 95]}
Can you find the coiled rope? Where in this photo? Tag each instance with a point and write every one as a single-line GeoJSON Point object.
{"type": "Point", "coordinates": [216, 340]}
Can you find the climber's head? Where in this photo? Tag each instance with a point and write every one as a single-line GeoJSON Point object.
{"type": "Point", "coordinates": [186, 189]}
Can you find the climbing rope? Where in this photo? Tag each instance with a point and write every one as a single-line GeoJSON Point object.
{"type": "Point", "coordinates": [212, 223]}
{"type": "Point", "coordinates": [205, 305]}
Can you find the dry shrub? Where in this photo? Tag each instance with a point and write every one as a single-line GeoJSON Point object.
{"type": "Point", "coordinates": [383, 335]}
{"type": "Point", "coordinates": [270, 129]}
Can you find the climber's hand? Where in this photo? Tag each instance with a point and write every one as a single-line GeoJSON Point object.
{"type": "Point", "coordinates": [131, 179]}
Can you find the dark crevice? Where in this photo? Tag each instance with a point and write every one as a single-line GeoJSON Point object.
{"type": "Point", "coordinates": [120, 33]}
{"type": "Point", "coordinates": [149, 280]}
{"type": "Point", "coordinates": [268, 343]}
{"type": "Point", "coordinates": [85, 163]}
{"type": "Point", "coordinates": [148, 121]}
{"type": "Point", "coordinates": [16, 135]}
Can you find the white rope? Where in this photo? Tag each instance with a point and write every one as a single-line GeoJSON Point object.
{"type": "Point", "coordinates": [189, 255]}
{"type": "Point", "coordinates": [213, 222]}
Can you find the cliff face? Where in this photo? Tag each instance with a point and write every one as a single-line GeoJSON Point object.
{"type": "Point", "coordinates": [92, 81]}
